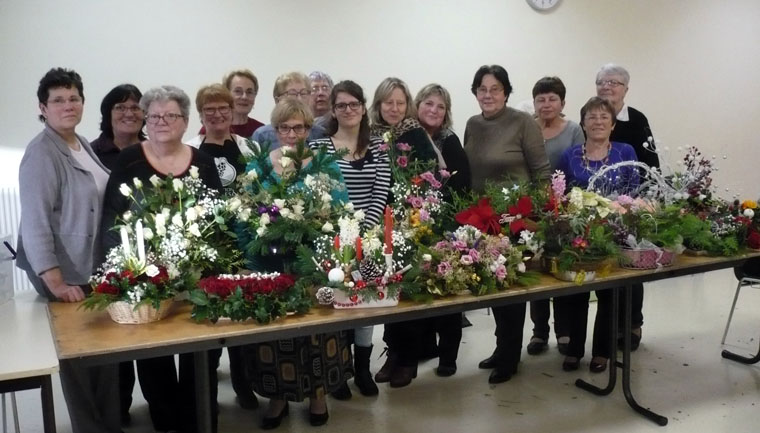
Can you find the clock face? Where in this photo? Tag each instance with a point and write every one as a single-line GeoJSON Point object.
{"type": "Point", "coordinates": [543, 5]}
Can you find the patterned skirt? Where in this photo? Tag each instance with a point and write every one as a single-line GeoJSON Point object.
{"type": "Point", "coordinates": [301, 367]}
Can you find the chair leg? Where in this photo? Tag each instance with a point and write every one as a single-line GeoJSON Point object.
{"type": "Point", "coordinates": [5, 425]}
{"type": "Point", "coordinates": [15, 412]}
{"type": "Point", "coordinates": [731, 313]}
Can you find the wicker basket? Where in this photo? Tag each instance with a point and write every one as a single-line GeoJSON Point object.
{"type": "Point", "coordinates": [344, 302]}
{"type": "Point", "coordinates": [646, 258]}
{"type": "Point", "coordinates": [125, 313]}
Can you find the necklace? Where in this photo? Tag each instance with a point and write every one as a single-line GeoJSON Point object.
{"type": "Point", "coordinates": [604, 160]}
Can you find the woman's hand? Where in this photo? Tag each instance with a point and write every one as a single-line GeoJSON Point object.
{"type": "Point", "coordinates": [59, 288]}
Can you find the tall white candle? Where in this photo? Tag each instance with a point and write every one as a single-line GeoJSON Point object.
{"type": "Point", "coordinates": [140, 241]}
{"type": "Point", "coordinates": [125, 242]}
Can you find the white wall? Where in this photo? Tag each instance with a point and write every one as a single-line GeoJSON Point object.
{"type": "Point", "coordinates": [695, 71]}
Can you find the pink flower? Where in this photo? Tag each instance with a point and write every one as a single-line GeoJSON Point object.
{"type": "Point", "coordinates": [402, 161]}
{"type": "Point", "coordinates": [424, 215]}
{"type": "Point", "coordinates": [558, 185]}
{"type": "Point", "coordinates": [441, 245]}
{"type": "Point", "coordinates": [466, 260]}
{"type": "Point", "coordinates": [474, 254]}
{"type": "Point", "coordinates": [625, 200]}
{"type": "Point", "coordinates": [383, 147]}
{"type": "Point", "coordinates": [580, 243]}
{"type": "Point", "coordinates": [403, 147]}
{"type": "Point", "coordinates": [415, 201]}
{"type": "Point", "coordinates": [501, 272]}
{"type": "Point", "coordinates": [460, 245]}
{"type": "Point", "coordinates": [444, 173]}
{"type": "Point", "coordinates": [436, 184]}
{"type": "Point", "coordinates": [444, 268]}
{"type": "Point", "coordinates": [428, 176]}
{"type": "Point", "coordinates": [432, 199]}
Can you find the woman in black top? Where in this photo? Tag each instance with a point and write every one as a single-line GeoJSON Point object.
{"type": "Point", "coordinates": [171, 402]}
{"type": "Point", "coordinates": [121, 124]}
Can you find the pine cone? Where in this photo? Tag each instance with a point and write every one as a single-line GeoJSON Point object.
{"type": "Point", "coordinates": [370, 270]}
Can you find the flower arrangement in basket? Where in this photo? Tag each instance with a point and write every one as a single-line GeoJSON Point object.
{"type": "Point", "coordinates": [367, 271]}
{"type": "Point", "coordinates": [577, 238]}
{"type": "Point", "coordinates": [133, 289]}
{"type": "Point", "coordinates": [470, 261]}
{"type": "Point", "coordinates": [748, 209]}
{"type": "Point", "coordinates": [260, 296]}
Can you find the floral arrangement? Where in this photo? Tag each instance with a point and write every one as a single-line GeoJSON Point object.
{"type": "Point", "coordinates": [260, 296]}
{"type": "Point", "coordinates": [277, 214]}
{"type": "Point", "coordinates": [748, 209]}
{"type": "Point", "coordinates": [472, 261]}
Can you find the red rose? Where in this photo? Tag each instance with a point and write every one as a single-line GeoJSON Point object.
{"type": "Point", "coordinates": [106, 288]}
{"type": "Point", "coordinates": [127, 274]}
{"type": "Point", "coordinates": [753, 239]}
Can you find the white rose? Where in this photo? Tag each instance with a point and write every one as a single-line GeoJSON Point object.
{"type": "Point", "coordinates": [191, 214]}
{"type": "Point", "coordinates": [155, 180]}
{"type": "Point", "coordinates": [427, 257]}
{"type": "Point", "coordinates": [244, 214]}
{"type": "Point", "coordinates": [264, 220]}
{"type": "Point", "coordinates": [252, 175]}
{"type": "Point", "coordinates": [138, 183]}
{"type": "Point", "coordinates": [359, 215]}
{"type": "Point", "coordinates": [326, 197]}
{"type": "Point", "coordinates": [177, 220]}
{"type": "Point", "coordinates": [261, 230]}
{"type": "Point", "coordinates": [194, 230]}
{"type": "Point", "coordinates": [280, 203]}
{"type": "Point", "coordinates": [177, 185]}
{"type": "Point", "coordinates": [309, 180]}
{"type": "Point", "coordinates": [125, 190]}
{"type": "Point", "coordinates": [160, 230]}
{"type": "Point", "coordinates": [160, 219]}
{"type": "Point", "coordinates": [194, 172]}
{"type": "Point", "coordinates": [147, 233]}
{"type": "Point", "coordinates": [327, 228]}
{"type": "Point", "coordinates": [749, 213]}
{"type": "Point", "coordinates": [387, 136]}
{"type": "Point", "coordinates": [151, 270]}
{"type": "Point", "coordinates": [233, 204]}
{"type": "Point", "coordinates": [285, 162]}
{"type": "Point", "coordinates": [285, 212]}
{"type": "Point", "coordinates": [127, 216]}
{"type": "Point", "coordinates": [349, 207]}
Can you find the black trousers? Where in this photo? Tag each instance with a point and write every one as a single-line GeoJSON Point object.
{"type": "Point", "coordinates": [510, 320]}
{"type": "Point", "coordinates": [126, 385]}
{"type": "Point", "coordinates": [171, 399]}
{"type": "Point", "coordinates": [539, 315]}
{"type": "Point", "coordinates": [241, 384]}
{"type": "Point", "coordinates": [577, 312]}
{"type": "Point", "coordinates": [405, 340]}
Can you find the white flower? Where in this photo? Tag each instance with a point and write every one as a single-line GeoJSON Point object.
{"type": "Point", "coordinates": [387, 136]}
{"type": "Point", "coordinates": [285, 162]}
{"type": "Point", "coordinates": [194, 230]}
{"type": "Point", "coordinates": [603, 211]}
{"type": "Point", "coordinates": [160, 230]}
{"type": "Point", "coordinates": [252, 175]}
{"type": "Point", "coordinates": [298, 210]}
{"type": "Point", "coordinates": [194, 172]}
{"type": "Point", "coordinates": [359, 215]}
{"type": "Point", "coordinates": [327, 227]}
{"type": "Point", "coordinates": [521, 267]}
{"type": "Point", "coordinates": [191, 214]}
{"type": "Point", "coordinates": [261, 230]}
{"type": "Point", "coordinates": [160, 219]}
{"type": "Point", "coordinates": [285, 212]}
{"type": "Point", "coordinates": [151, 270]}
{"type": "Point", "coordinates": [264, 220]}
{"type": "Point", "coordinates": [177, 220]}
{"type": "Point", "coordinates": [427, 258]}
{"type": "Point", "coordinates": [233, 204]}
{"type": "Point", "coordinates": [749, 213]}
{"type": "Point", "coordinates": [125, 190]}
{"type": "Point", "coordinates": [155, 180]}
{"type": "Point", "coordinates": [280, 203]}
{"type": "Point", "coordinates": [147, 233]}
{"type": "Point", "coordinates": [177, 185]}
{"type": "Point", "coordinates": [138, 183]}
{"type": "Point", "coordinates": [127, 216]}
{"type": "Point", "coordinates": [349, 207]}
{"type": "Point", "coordinates": [309, 181]}
{"type": "Point", "coordinates": [326, 197]}
{"type": "Point", "coordinates": [244, 214]}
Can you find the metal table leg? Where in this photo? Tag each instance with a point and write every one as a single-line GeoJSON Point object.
{"type": "Point", "coordinates": [202, 391]}
{"type": "Point", "coordinates": [743, 359]}
{"type": "Point", "coordinates": [48, 412]}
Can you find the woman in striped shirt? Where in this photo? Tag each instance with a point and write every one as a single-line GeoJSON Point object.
{"type": "Point", "coordinates": [367, 174]}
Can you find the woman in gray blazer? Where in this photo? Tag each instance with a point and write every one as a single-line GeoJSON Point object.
{"type": "Point", "coordinates": [61, 186]}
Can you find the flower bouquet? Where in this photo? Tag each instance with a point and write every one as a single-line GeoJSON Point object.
{"type": "Point", "coordinates": [260, 296]}
{"type": "Point", "coordinates": [133, 289]}
{"type": "Point", "coordinates": [748, 209]}
{"type": "Point", "coordinates": [470, 261]}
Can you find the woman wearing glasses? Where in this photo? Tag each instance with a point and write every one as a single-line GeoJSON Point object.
{"type": "Point", "coordinates": [244, 86]}
{"type": "Point", "coordinates": [301, 367]}
{"type": "Point", "coordinates": [121, 124]}
{"type": "Point", "coordinates": [61, 187]}
{"type": "Point", "coordinates": [367, 175]}
{"type": "Point", "coordinates": [503, 144]}
{"type": "Point", "coordinates": [166, 113]}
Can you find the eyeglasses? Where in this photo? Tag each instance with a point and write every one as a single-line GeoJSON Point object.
{"type": "Point", "coordinates": [294, 94]}
{"type": "Point", "coordinates": [241, 92]}
{"type": "Point", "coordinates": [491, 91]}
{"type": "Point", "coordinates": [285, 129]}
{"type": "Point", "coordinates": [210, 111]}
{"type": "Point", "coordinates": [74, 100]}
{"type": "Point", "coordinates": [324, 88]}
{"type": "Point", "coordinates": [169, 118]}
{"type": "Point", "coordinates": [122, 109]}
{"type": "Point", "coordinates": [611, 83]}
{"type": "Point", "coordinates": [354, 105]}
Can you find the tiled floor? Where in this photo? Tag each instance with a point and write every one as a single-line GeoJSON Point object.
{"type": "Point", "coordinates": [678, 372]}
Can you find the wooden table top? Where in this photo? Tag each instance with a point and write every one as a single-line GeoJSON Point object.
{"type": "Point", "coordinates": [80, 334]}
{"type": "Point", "coordinates": [27, 342]}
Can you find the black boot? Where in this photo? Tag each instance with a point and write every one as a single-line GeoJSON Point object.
{"type": "Point", "coordinates": [363, 378]}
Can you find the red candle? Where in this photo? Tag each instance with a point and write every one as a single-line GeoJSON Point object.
{"type": "Point", "coordinates": [336, 243]}
{"type": "Point", "coordinates": [359, 255]}
{"type": "Point", "coordinates": [388, 230]}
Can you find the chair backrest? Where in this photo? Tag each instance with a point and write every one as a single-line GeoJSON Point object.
{"type": "Point", "coordinates": [750, 268]}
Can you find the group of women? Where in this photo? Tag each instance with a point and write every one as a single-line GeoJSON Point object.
{"type": "Point", "coordinates": [70, 202]}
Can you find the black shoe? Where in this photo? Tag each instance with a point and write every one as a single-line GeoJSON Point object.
{"type": "Point", "coordinates": [490, 362]}
{"type": "Point", "coordinates": [248, 402]}
{"type": "Point", "coordinates": [342, 393]}
{"type": "Point", "coordinates": [318, 419]}
{"type": "Point", "coordinates": [596, 366]}
{"type": "Point", "coordinates": [571, 363]}
{"type": "Point", "coordinates": [500, 375]}
{"type": "Point", "coordinates": [537, 345]}
{"type": "Point", "coordinates": [402, 376]}
{"type": "Point", "coordinates": [269, 423]}
{"type": "Point", "coordinates": [635, 342]}
{"type": "Point", "coordinates": [465, 321]}
{"type": "Point", "coordinates": [446, 369]}
{"type": "Point", "coordinates": [363, 379]}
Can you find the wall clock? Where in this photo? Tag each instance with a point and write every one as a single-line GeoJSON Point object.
{"type": "Point", "coordinates": [543, 5]}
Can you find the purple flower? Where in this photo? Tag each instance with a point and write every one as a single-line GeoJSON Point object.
{"type": "Point", "coordinates": [444, 173]}
{"type": "Point", "coordinates": [415, 201]}
{"type": "Point", "coordinates": [428, 176]}
{"type": "Point", "coordinates": [460, 245]}
{"type": "Point", "coordinates": [441, 245]}
{"type": "Point", "coordinates": [444, 268]}
{"type": "Point", "coordinates": [402, 161]}
{"type": "Point", "coordinates": [403, 147]}
{"type": "Point", "coordinates": [262, 210]}
{"type": "Point", "coordinates": [466, 260]}
{"type": "Point", "coordinates": [383, 147]}
{"type": "Point", "coordinates": [424, 215]}
{"type": "Point", "coordinates": [274, 210]}
{"type": "Point", "coordinates": [501, 272]}
{"type": "Point", "coordinates": [436, 184]}
{"type": "Point", "coordinates": [474, 254]}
